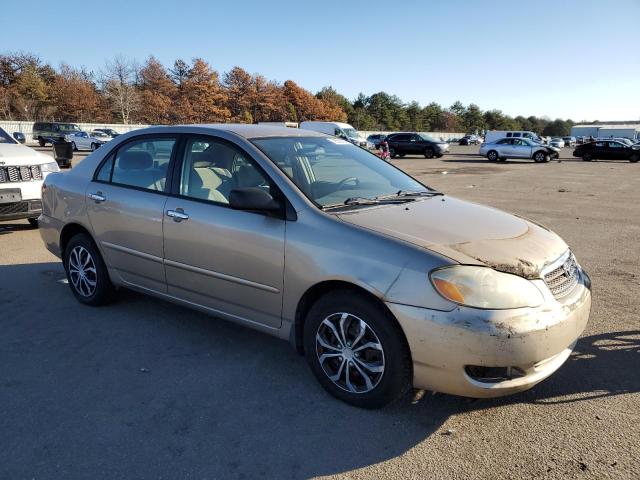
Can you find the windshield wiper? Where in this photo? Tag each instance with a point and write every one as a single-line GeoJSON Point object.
{"type": "Point", "coordinates": [357, 201]}
{"type": "Point", "coordinates": [405, 194]}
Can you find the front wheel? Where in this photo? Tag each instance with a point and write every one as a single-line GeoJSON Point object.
{"type": "Point", "coordinates": [428, 152]}
{"type": "Point", "coordinates": [493, 156]}
{"type": "Point", "coordinates": [33, 222]}
{"type": "Point", "coordinates": [541, 157]}
{"type": "Point", "coordinates": [634, 158]}
{"type": "Point", "coordinates": [94, 147]}
{"type": "Point", "coordinates": [86, 272]}
{"type": "Point", "coordinates": [587, 157]}
{"type": "Point", "coordinates": [392, 153]}
{"type": "Point", "coordinates": [73, 146]}
{"type": "Point", "coordinates": [41, 142]}
{"type": "Point", "coordinates": [357, 351]}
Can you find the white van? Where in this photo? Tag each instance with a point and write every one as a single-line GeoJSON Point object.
{"type": "Point", "coordinates": [22, 170]}
{"type": "Point", "coordinates": [495, 135]}
{"type": "Point", "coordinates": [337, 129]}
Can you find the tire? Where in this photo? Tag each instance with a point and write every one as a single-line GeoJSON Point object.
{"type": "Point", "coordinates": [73, 146]}
{"type": "Point", "coordinates": [41, 142]}
{"type": "Point", "coordinates": [401, 155]}
{"type": "Point", "coordinates": [33, 222]}
{"type": "Point", "coordinates": [493, 156]}
{"type": "Point", "coordinates": [428, 152]}
{"type": "Point", "coordinates": [540, 157]}
{"type": "Point", "coordinates": [102, 291]}
{"type": "Point", "coordinates": [93, 147]}
{"type": "Point", "coordinates": [392, 153]}
{"type": "Point", "coordinates": [380, 328]}
{"type": "Point", "coordinates": [634, 158]}
{"type": "Point", "coordinates": [587, 157]}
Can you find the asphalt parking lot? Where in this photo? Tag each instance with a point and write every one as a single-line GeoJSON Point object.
{"type": "Point", "coordinates": [146, 389]}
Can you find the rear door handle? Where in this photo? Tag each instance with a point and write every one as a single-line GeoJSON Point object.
{"type": "Point", "coordinates": [178, 215]}
{"type": "Point", "coordinates": [97, 197]}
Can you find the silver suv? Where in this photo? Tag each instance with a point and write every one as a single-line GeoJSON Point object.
{"type": "Point", "coordinates": [380, 281]}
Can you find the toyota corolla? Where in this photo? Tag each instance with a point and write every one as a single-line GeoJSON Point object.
{"type": "Point", "coordinates": [383, 283]}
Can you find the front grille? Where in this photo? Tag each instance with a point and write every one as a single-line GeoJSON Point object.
{"type": "Point", "coordinates": [25, 173]}
{"type": "Point", "coordinates": [562, 276]}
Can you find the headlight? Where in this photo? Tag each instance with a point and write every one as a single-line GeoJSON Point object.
{"type": "Point", "coordinates": [49, 167]}
{"type": "Point", "coordinates": [483, 287]}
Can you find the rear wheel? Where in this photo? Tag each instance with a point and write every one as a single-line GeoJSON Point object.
{"type": "Point", "coordinates": [392, 153]}
{"type": "Point", "coordinates": [428, 152]}
{"type": "Point", "coordinates": [357, 351]}
{"type": "Point", "coordinates": [94, 147]}
{"type": "Point", "coordinates": [86, 272]}
{"type": "Point", "coordinates": [493, 156]}
{"type": "Point", "coordinates": [73, 146]}
{"type": "Point", "coordinates": [540, 157]}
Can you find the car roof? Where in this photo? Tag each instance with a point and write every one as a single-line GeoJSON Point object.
{"type": "Point", "coordinates": [259, 131]}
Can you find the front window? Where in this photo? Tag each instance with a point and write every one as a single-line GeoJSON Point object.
{"type": "Point", "coordinates": [332, 172]}
{"type": "Point", "coordinates": [68, 127]}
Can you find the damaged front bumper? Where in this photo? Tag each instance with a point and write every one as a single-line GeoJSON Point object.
{"type": "Point", "coordinates": [488, 353]}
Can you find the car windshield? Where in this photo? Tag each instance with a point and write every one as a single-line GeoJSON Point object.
{"type": "Point", "coordinates": [351, 132]}
{"type": "Point", "coordinates": [331, 171]}
{"type": "Point", "coordinates": [5, 137]}
{"type": "Point", "coordinates": [428, 138]}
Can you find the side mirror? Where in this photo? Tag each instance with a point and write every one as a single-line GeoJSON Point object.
{"type": "Point", "coordinates": [19, 136]}
{"type": "Point", "coordinates": [253, 198]}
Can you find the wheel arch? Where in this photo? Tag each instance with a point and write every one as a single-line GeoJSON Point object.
{"type": "Point", "coordinates": [69, 231]}
{"type": "Point", "coordinates": [314, 293]}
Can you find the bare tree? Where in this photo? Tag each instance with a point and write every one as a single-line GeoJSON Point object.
{"type": "Point", "coordinates": [119, 79]}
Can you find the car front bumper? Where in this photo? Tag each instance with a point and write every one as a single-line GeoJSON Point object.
{"type": "Point", "coordinates": [459, 352]}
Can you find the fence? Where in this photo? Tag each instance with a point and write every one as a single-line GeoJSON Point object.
{"type": "Point", "coordinates": [27, 127]}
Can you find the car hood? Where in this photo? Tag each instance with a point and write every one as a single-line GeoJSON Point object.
{"type": "Point", "coordinates": [14, 154]}
{"type": "Point", "coordinates": [466, 232]}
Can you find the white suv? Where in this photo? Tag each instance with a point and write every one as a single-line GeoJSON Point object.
{"type": "Point", "coordinates": [22, 171]}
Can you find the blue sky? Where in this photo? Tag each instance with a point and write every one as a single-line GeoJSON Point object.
{"type": "Point", "coordinates": [569, 59]}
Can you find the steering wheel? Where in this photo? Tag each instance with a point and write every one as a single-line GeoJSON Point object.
{"type": "Point", "coordinates": [342, 182]}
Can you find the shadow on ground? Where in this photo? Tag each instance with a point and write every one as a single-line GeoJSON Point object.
{"type": "Point", "coordinates": [143, 388]}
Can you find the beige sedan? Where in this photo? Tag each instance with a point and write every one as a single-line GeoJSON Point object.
{"type": "Point", "coordinates": [381, 282]}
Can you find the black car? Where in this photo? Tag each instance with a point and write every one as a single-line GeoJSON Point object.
{"type": "Point", "coordinates": [376, 139]}
{"type": "Point", "coordinates": [607, 150]}
{"type": "Point", "coordinates": [409, 143]}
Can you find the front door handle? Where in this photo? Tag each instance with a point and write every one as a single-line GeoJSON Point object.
{"type": "Point", "coordinates": [178, 215]}
{"type": "Point", "coordinates": [97, 197]}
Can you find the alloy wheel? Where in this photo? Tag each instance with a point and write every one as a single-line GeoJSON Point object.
{"type": "Point", "coordinates": [350, 353]}
{"type": "Point", "coordinates": [82, 271]}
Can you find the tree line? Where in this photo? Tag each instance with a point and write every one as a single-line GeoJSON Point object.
{"type": "Point", "coordinates": [124, 91]}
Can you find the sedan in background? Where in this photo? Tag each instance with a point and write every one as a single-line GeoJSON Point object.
{"type": "Point", "coordinates": [387, 284]}
{"type": "Point", "coordinates": [557, 142]}
{"type": "Point", "coordinates": [107, 131]}
{"type": "Point", "coordinates": [470, 140]}
{"type": "Point", "coordinates": [569, 141]}
{"type": "Point", "coordinates": [85, 141]}
{"type": "Point", "coordinates": [607, 150]}
{"type": "Point", "coordinates": [409, 143]}
{"type": "Point", "coordinates": [376, 139]}
{"type": "Point", "coordinates": [518, 148]}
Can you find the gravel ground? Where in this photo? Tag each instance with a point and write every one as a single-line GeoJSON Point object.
{"type": "Point", "coordinates": [146, 389]}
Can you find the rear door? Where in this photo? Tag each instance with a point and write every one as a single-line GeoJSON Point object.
{"type": "Point", "coordinates": [125, 203]}
{"type": "Point", "coordinates": [231, 261]}
{"type": "Point", "coordinates": [617, 151]}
